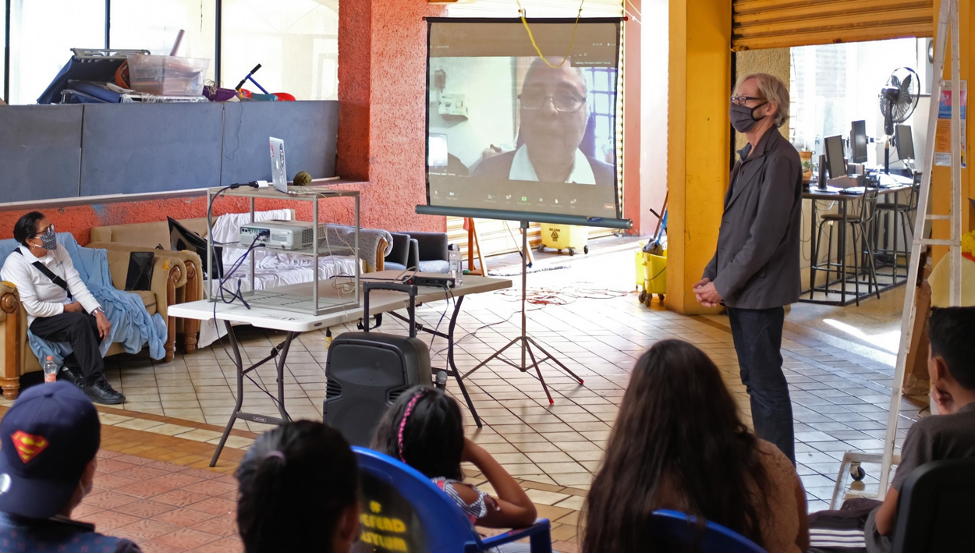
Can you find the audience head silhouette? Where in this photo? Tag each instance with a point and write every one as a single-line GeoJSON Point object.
{"type": "Point", "coordinates": [951, 333]}
{"type": "Point", "coordinates": [424, 429]}
{"type": "Point", "coordinates": [298, 491]}
{"type": "Point", "coordinates": [677, 443]}
{"type": "Point", "coordinates": [49, 440]}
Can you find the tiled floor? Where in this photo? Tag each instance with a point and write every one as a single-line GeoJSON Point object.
{"type": "Point", "coordinates": [590, 320]}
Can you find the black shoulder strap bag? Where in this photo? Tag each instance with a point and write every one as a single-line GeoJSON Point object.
{"type": "Point", "coordinates": [50, 275]}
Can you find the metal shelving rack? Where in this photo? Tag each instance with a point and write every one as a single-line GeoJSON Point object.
{"type": "Point", "coordinates": [321, 301]}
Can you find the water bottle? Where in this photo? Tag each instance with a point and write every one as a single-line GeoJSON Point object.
{"type": "Point", "coordinates": [454, 263]}
{"type": "Point", "coordinates": [50, 370]}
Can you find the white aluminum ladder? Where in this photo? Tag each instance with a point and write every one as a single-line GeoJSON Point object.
{"type": "Point", "coordinates": [949, 23]}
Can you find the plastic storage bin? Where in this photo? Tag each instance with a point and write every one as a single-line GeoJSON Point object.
{"type": "Point", "coordinates": [167, 75]}
{"type": "Point", "coordinates": [570, 237]}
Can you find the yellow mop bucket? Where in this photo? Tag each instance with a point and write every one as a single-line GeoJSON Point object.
{"type": "Point", "coordinates": [650, 275]}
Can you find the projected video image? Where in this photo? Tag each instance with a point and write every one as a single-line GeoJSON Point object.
{"type": "Point", "coordinates": [518, 132]}
{"type": "Point", "coordinates": [519, 119]}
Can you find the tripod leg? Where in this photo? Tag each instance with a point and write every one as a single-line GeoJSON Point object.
{"type": "Point", "coordinates": [539, 373]}
{"type": "Point", "coordinates": [490, 358]}
{"type": "Point", "coordinates": [555, 361]}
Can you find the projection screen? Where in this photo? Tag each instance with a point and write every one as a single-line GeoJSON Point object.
{"type": "Point", "coordinates": [512, 133]}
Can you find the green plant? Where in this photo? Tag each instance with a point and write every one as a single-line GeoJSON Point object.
{"type": "Point", "coordinates": [806, 165]}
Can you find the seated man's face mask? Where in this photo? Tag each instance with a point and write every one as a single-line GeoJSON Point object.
{"type": "Point", "coordinates": [49, 241]}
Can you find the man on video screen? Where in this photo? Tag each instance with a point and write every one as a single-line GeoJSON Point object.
{"type": "Point", "coordinates": [553, 119]}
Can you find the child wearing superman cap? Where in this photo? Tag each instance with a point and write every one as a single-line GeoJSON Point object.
{"type": "Point", "coordinates": [48, 442]}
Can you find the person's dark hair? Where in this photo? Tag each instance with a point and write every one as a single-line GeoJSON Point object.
{"type": "Point", "coordinates": [294, 485]}
{"type": "Point", "coordinates": [26, 226]}
{"type": "Point", "coordinates": [677, 435]}
{"type": "Point", "coordinates": [951, 333]}
{"type": "Point", "coordinates": [424, 429]}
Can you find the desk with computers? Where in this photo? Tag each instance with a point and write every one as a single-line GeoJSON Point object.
{"type": "Point", "coordinates": [875, 207]}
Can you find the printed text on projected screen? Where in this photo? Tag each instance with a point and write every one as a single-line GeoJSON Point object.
{"type": "Point", "coordinates": [508, 132]}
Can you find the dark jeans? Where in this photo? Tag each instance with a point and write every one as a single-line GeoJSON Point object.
{"type": "Point", "coordinates": [80, 330]}
{"type": "Point", "coordinates": [756, 336]}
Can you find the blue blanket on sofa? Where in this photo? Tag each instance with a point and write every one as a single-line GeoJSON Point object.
{"type": "Point", "coordinates": [132, 326]}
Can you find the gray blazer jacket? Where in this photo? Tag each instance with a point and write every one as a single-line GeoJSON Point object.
{"type": "Point", "coordinates": [757, 261]}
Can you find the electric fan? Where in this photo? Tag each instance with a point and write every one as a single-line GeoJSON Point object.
{"type": "Point", "coordinates": [897, 100]}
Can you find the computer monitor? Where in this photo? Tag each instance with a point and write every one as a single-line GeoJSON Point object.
{"type": "Point", "coordinates": [859, 142]}
{"type": "Point", "coordinates": [904, 142]}
{"type": "Point", "coordinates": [834, 149]}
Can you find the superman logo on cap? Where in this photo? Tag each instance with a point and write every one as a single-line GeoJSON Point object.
{"type": "Point", "coordinates": [28, 446]}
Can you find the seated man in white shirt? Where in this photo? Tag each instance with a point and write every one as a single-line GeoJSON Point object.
{"type": "Point", "coordinates": [59, 306]}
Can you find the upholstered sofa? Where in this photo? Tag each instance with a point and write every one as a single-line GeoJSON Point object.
{"type": "Point", "coordinates": [169, 275]}
{"type": "Point", "coordinates": [149, 236]}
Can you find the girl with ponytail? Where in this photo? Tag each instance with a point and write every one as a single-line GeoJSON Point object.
{"type": "Point", "coordinates": [424, 430]}
{"type": "Point", "coordinates": [298, 489]}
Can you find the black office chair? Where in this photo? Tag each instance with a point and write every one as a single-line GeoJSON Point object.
{"type": "Point", "coordinates": [860, 240]}
{"type": "Point", "coordinates": [936, 508]}
{"type": "Point", "coordinates": [904, 214]}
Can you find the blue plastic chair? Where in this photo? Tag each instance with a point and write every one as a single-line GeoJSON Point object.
{"type": "Point", "coordinates": [404, 511]}
{"type": "Point", "coordinates": [680, 530]}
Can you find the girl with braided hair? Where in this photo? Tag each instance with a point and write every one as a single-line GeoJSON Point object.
{"type": "Point", "coordinates": [424, 430]}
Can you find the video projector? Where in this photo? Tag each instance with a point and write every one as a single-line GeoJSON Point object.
{"type": "Point", "coordinates": [280, 233]}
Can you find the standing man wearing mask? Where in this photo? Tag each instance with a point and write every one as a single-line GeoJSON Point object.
{"type": "Point", "coordinates": [58, 304]}
{"type": "Point", "coordinates": [756, 269]}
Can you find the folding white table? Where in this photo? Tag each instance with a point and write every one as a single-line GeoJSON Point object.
{"type": "Point", "coordinates": [294, 323]}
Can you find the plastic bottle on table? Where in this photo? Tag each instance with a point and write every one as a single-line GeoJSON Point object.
{"type": "Point", "coordinates": [454, 263]}
{"type": "Point", "coordinates": [50, 370]}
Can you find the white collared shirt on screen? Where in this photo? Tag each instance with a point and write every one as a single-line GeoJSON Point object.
{"type": "Point", "coordinates": [522, 168]}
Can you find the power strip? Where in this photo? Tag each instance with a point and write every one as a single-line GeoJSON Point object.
{"type": "Point", "coordinates": [431, 281]}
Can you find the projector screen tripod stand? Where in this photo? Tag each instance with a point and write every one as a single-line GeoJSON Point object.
{"type": "Point", "coordinates": [525, 342]}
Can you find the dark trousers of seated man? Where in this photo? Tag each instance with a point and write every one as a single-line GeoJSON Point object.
{"type": "Point", "coordinates": [80, 330]}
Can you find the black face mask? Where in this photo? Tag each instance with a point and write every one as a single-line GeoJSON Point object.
{"type": "Point", "coordinates": [741, 117]}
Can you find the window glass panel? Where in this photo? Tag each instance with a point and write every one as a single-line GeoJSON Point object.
{"type": "Point", "coordinates": [835, 84]}
{"type": "Point", "coordinates": [42, 33]}
{"type": "Point", "coordinates": [154, 26]}
{"type": "Point", "coordinates": [603, 105]}
{"type": "Point", "coordinates": [295, 41]}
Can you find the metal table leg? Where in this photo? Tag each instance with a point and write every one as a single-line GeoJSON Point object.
{"type": "Point", "coordinates": [241, 372]}
{"type": "Point", "coordinates": [451, 362]}
{"type": "Point", "coordinates": [843, 247]}
{"type": "Point", "coordinates": [452, 369]}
